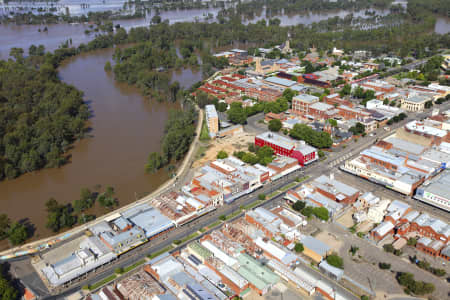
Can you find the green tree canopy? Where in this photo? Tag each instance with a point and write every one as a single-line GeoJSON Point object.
{"type": "Point", "coordinates": [275, 125]}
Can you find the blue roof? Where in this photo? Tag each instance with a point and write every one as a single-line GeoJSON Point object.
{"type": "Point", "coordinates": [315, 245]}
{"type": "Point", "coordinates": [281, 81]}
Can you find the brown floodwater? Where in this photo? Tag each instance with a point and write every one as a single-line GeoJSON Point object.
{"type": "Point", "coordinates": [125, 129]}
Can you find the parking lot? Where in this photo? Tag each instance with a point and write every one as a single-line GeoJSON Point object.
{"type": "Point", "coordinates": [363, 267]}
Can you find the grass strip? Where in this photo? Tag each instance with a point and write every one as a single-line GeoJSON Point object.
{"type": "Point", "coordinates": [133, 266]}
{"type": "Point", "coordinates": [102, 282]}
{"type": "Point", "coordinates": [273, 194]}
{"type": "Point", "coordinates": [158, 253]}
{"type": "Point", "coordinates": [251, 205]}
{"type": "Point", "coordinates": [214, 224]}
{"type": "Point", "coordinates": [191, 236]}
{"type": "Point", "coordinates": [288, 186]}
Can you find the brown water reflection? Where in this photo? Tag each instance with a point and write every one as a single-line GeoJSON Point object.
{"type": "Point", "coordinates": [126, 128]}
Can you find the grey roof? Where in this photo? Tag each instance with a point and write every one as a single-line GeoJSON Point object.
{"type": "Point", "coordinates": [446, 251]}
{"type": "Point", "coordinates": [149, 219]}
{"type": "Point", "coordinates": [281, 81]}
{"type": "Point", "coordinates": [211, 111]}
{"type": "Point", "coordinates": [321, 106]}
{"type": "Point", "coordinates": [440, 185]}
{"type": "Point", "coordinates": [334, 186]}
{"type": "Point", "coordinates": [268, 62]}
{"type": "Point", "coordinates": [417, 99]}
{"type": "Point", "coordinates": [315, 245]}
{"type": "Point", "coordinates": [405, 145]}
{"type": "Point", "coordinates": [324, 265]}
{"type": "Point", "coordinates": [307, 98]}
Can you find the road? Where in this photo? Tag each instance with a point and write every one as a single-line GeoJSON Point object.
{"type": "Point", "coordinates": [161, 242]}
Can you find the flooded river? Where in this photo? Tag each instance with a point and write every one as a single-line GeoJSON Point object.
{"type": "Point", "coordinates": [125, 129]}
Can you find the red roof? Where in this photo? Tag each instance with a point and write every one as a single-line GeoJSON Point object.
{"type": "Point", "coordinates": [228, 78]}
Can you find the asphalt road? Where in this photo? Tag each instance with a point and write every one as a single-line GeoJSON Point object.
{"type": "Point", "coordinates": [179, 233]}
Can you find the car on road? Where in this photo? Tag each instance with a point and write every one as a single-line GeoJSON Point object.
{"type": "Point", "coordinates": [387, 128]}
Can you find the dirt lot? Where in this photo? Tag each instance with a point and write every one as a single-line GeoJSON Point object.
{"type": "Point", "coordinates": [238, 142]}
{"type": "Point", "coordinates": [330, 240]}
{"type": "Point", "coordinates": [346, 219]}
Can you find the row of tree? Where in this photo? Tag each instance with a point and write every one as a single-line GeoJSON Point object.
{"type": "Point", "coordinates": [60, 216]}
{"type": "Point", "coordinates": [178, 135]}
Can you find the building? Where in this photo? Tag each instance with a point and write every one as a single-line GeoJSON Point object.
{"type": "Point", "coordinates": [387, 168]}
{"type": "Point", "coordinates": [148, 219]}
{"type": "Point", "coordinates": [382, 230]}
{"type": "Point", "coordinates": [429, 246]}
{"type": "Point", "coordinates": [349, 113]}
{"type": "Point", "coordinates": [260, 278]}
{"type": "Point", "coordinates": [280, 82]}
{"type": "Point", "coordinates": [314, 248]}
{"type": "Point", "coordinates": [321, 111]}
{"type": "Point", "coordinates": [91, 253]}
{"type": "Point", "coordinates": [212, 120]}
{"type": "Point", "coordinates": [302, 102]}
{"type": "Point", "coordinates": [379, 86]}
{"type": "Point", "coordinates": [436, 191]}
{"type": "Point", "coordinates": [284, 146]}
{"type": "Point", "coordinates": [335, 190]}
{"type": "Point", "coordinates": [140, 285]}
{"type": "Point", "coordinates": [414, 103]}
{"type": "Point", "coordinates": [266, 66]}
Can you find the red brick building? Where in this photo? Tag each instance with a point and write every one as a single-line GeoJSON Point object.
{"type": "Point", "coordinates": [303, 153]}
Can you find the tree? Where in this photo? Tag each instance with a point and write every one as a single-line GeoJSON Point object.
{"type": "Point", "coordinates": [384, 266]}
{"type": "Point", "coordinates": [236, 114]}
{"type": "Point", "coordinates": [221, 106]}
{"type": "Point", "coordinates": [321, 153]}
{"type": "Point", "coordinates": [222, 154]}
{"type": "Point", "coordinates": [333, 122]}
{"type": "Point", "coordinates": [310, 136]}
{"type": "Point", "coordinates": [108, 67]}
{"type": "Point", "coordinates": [154, 162]}
{"type": "Point", "coordinates": [7, 289]}
{"type": "Point", "coordinates": [321, 213]}
{"type": "Point", "coordinates": [262, 197]}
{"type": "Point", "coordinates": [299, 205]}
{"type": "Point", "coordinates": [17, 233]}
{"type": "Point", "coordinates": [335, 261]}
{"type": "Point", "coordinates": [413, 286]}
{"type": "Point", "coordinates": [5, 224]}
{"type": "Point", "coordinates": [275, 125]}
{"type": "Point", "coordinates": [388, 248]}
{"type": "Point", "coordinates": [307, 211]}
{"type": "Point", "coordinates": [299, 247]}
{"type": "Point", "coordinates": [288, 94]}
{"type": "Point", "coordinates": [346, 90]}
{"type": "Point", "coordinates": [412, 242]}
{"type": "Point", "coordinates": [428, 104]}
{"type": "Point", "coordinates": [353, 250]}
{"type": "Point", "coordinates": [156, 19]}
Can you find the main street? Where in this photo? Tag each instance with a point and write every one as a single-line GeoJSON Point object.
{"type": "Point", "coordinates": [314, 170]}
